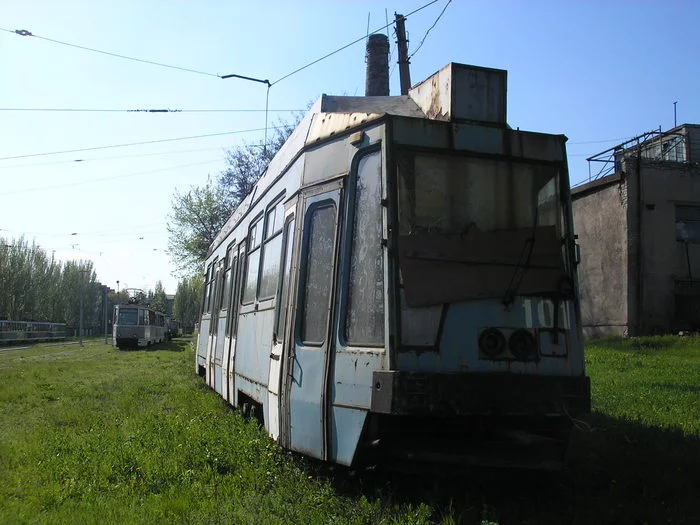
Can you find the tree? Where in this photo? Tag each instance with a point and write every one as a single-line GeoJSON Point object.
{"type": "Point", "coordinates": [160, 300]}
{"type": "Point", "coordinates": [188, 299]}
{"type": "Point", "coordinates": [198, 215]}
{"type": "Point", "coordinates": [36, 288]}
{"type": "Point", "coordinates": [196, 218]}
{"type": "Point", "coordinates": [248, 162]}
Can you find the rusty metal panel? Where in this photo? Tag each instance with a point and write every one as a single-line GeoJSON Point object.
{"type": "Point", "coordinates": [479, 93]}
{"type": "Point", "coordinates": [402, 105]}
{"type": "Point", "coordinates": [324, 125]}
{"type": "Point", "coordinates": [460, 91]}
{"type": "Point", "coordinates": [434, 94]}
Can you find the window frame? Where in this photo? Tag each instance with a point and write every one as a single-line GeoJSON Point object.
{"type": "Point", "coordinates": [288, 230]}
{"type": "Point", "coordinates": [304, 269]}
{"type": "Point", "coordinates": [687, 207]}
{"type": "Point", "coordinates": [348, 231]}
{"type": "Point", "coordinates": [258, 220]}
{"type": "Point", "coordinates": [275, 205]}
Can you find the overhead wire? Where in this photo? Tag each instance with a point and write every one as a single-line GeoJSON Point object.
{"type": "Point", "coordinates": [363, 37]}
{"type": "Point", "coordinates": [135, 143]}
{"type": "Point", "coordinates": [101, 179]}
{"type": "Point", "coordinates": [431, 28]}
{"type": "Point", "coordinates": [120, 157]}
{"type": "Point", "coordinates": [104, 110]}
{"type": "Point", "coordinates": [24, 32]}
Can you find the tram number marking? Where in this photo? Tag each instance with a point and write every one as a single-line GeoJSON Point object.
{"type": "Point", "coordinates": [540, 313]}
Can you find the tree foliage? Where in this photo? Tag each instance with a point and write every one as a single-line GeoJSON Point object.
{"type": "Point", "coordinates": [188, 299]}
{"type": "Point", "coordinates": [246, 164]}
{"type": "Point", "coordinates": [198, 215]}
{"type": "Point", "coordinates": [157, 299]}
{"type": "Point", "coordinates": [34, 287]}
{"type": "Point", "coordinates": [193, 223]}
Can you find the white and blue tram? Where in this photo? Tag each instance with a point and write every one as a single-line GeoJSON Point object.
{"type": "Point", "coordinates": [401, 284]}
{"type": "Point", "coordinates": [18, 332]}
{"type": "Point", "coordinates": [136, 325]}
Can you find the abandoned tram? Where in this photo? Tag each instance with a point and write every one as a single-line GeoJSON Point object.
{"type": "Point", "coordinates": [401, 284]}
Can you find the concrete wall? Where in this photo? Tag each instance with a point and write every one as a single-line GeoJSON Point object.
{"type": "Point", "coordinates": [600, 221]}
{"type": "Point", "coordinates": [665, 185]}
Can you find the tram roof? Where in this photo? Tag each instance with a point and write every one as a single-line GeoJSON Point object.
{"type": "Point", "coordinates": [455, 92]}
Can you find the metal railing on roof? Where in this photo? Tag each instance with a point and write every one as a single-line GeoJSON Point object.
{"type": "Point", "coordinates": [651, 145]}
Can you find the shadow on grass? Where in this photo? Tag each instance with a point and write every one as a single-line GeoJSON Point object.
{"type": "Point", "coordinates": [619, 472]}
{"type": "Point", "coordinates": [179, 344]}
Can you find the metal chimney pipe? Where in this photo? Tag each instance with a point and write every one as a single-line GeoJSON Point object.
{"type": "Point", "coordinates": [377, 83]}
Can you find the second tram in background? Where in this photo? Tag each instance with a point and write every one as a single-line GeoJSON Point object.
{"type": "Point", "coordinates": [18, 332]}
{"type": "Point", "coordinates": [401, 284]}
{"type": "Point", "coordinates": [138, 326]}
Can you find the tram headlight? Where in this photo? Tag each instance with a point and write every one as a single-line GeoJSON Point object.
{"type": "Point", "coordinates": [522, 345]}
{"type": "Point", "coordinates": [492, 342]}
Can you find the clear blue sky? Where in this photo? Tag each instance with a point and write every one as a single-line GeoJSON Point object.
{"type": "Point", "coordinates": [598, 72]}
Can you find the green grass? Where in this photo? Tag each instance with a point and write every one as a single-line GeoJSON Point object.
{"type": "Point", "coordinates": [95, 435]}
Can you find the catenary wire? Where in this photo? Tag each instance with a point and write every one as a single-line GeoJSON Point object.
{"type": "Point", "coordinates": [24, 32]}
{"type": "Point", "coordinates": [430, 28]}
{"type": "Point", "coordinates": [363, 37]}
{"type": "Point", "coordinates": [114, 157]}
{"type": "Point", "coordinates": [101, 179]}
{"type": "Point", "coordinates": [120, 157]}
{"type": "Point", "coordinates": [104, 110]}
{"type": "Point", "coordinates": [135, 143]}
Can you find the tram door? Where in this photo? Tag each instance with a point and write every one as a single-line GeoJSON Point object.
{"type": "Point", "coordinates": [281, 339]}
{"type": "Point", "coordinates": [227, 313]}
{"type": "Point", "coordinates": [232, 326]}
{"type": "Point", "coordinates": [309, 362]}
{"type": "Point", "coordinates": [216, 349]}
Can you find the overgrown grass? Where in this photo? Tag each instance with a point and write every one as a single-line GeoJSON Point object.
{"type": "Point", "coordinates": [95, 435]}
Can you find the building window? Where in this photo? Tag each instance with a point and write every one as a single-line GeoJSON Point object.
{"type": "Point", "coordinates": [688, 223]}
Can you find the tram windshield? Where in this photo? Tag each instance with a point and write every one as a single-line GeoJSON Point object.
{"type": "Point", "coordinates": [446, 194]}
{"type": "Point", "coordinates": [467, 226]}
{"type": "Point", "coordinates": [128, 316]}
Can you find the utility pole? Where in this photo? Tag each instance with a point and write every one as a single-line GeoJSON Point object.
{"type": "Point", "coordinates": [674, 114]}
{"type": "Point", "coordinates": [402, 43]}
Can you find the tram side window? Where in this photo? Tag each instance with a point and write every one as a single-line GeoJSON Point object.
{"type": "Point", "coordinates": [318, 266]}
{"type": "Point", "coordinates": [207, 290]}
{"type": "Point", "coordinates": [226, 294]}
{"type": "Point", "coordinates": [215, 286]}
{"type": "Point", "coordinates": [252, 262]}
{"type": "Point", "coordinates": [284, 290]}
{"type": "Point", "coordinates": [364, 316]}
{"type": "Point", "coordinates": [236, 280]}
{"type": "Point", "coordinates": [272, 249]}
